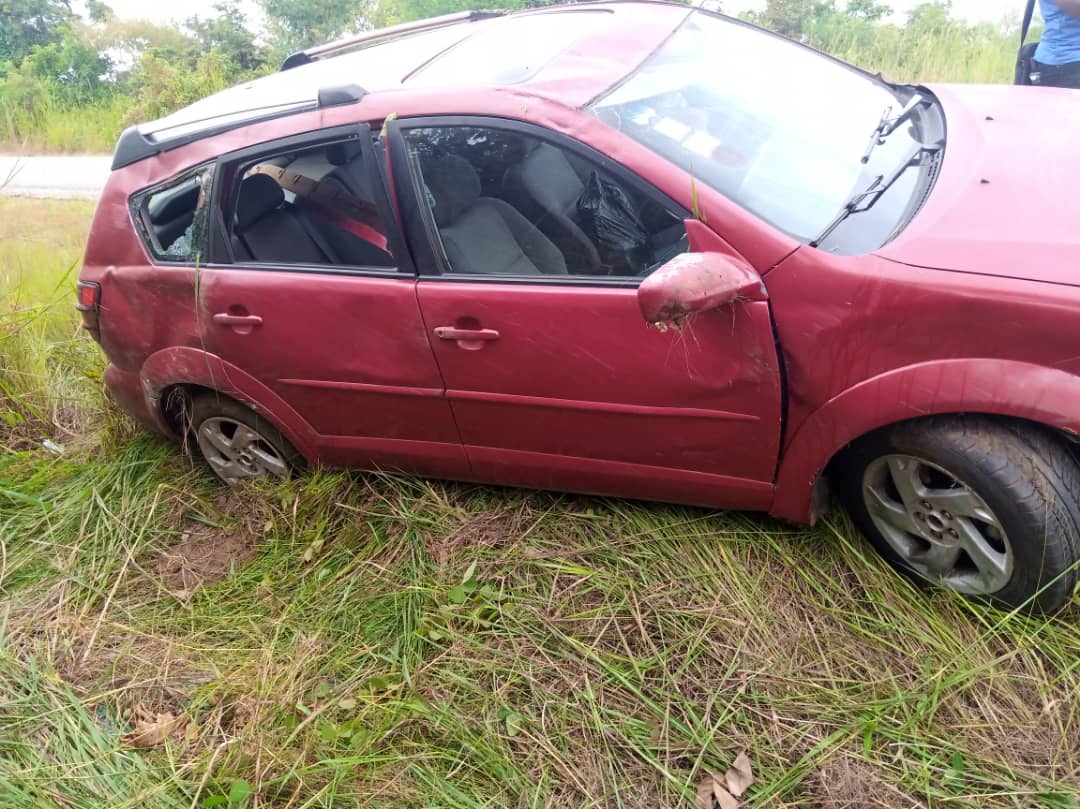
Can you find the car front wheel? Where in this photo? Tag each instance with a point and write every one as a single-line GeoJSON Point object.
{"type": "Point", "coordinates": [987, 508]}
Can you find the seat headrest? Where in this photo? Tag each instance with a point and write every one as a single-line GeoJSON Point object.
{"type": "Point", "coordinates": [454, 186]}
{"type": "Point", "coordinates": [259, 194]}
{"type": "Point", "coordinates": [342, 153]}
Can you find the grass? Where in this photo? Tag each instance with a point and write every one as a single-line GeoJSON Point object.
{"type": "Point", "coordinates": [354, 640]}
{"type": "Point", "coordinates": [52, 127]}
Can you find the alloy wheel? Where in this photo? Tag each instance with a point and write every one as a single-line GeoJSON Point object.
{"type": "Point", "coordinates": [237, 452]}
{"type": "Point", "coordinates": [938, 525]}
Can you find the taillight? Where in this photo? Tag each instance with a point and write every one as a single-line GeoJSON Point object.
{"type": "Point", "coordinates": [88, 301]}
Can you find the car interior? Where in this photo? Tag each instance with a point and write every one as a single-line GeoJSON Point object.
{"type": "Point", "coordinates": [503, 203]}
{"type": "Point", "coordinates": [507, 203]}
{"type": "Point", "coordinates": [314, 206]}
{"type": "Point", "coordinates": [171, 212]}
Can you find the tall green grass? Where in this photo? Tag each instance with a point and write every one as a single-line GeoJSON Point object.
{"type": "Point", "coordinates": [982, 55]}
{"type": "Point", "coordinates": [55, 127]}
{"type": "Point", "coordinates": [348, 640]}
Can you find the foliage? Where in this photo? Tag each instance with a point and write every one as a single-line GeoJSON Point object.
{"type": "Point", "coordinates": [297, 24]}
{"type": "Point", "coordinates": [229, 35]}
{"type": "Point", "coordinates": [28, 24]}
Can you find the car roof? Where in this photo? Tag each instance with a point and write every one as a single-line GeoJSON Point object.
{"type": "Point", "coordinates": [568, 53]}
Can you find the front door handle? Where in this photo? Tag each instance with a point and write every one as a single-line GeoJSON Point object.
{"type": "Point", "coordinates": [469, 339]}
{"type": "Point", "coordinates": [241, 324]}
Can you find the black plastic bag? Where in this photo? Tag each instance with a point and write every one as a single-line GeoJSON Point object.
{"type": "Point", "coordinates": [608, 217]}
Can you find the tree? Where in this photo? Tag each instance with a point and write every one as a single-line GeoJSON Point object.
{"type": "Point", "coordinates": [869, 10]}
{"type": "Point", "coordinates": [296, 24]}
{"type": "Point", "coordinates": [98, 11]}
{"type": "Point", "coordinates": [26, 24]}
{"type": "Point", "coordinates": [72, 71]}
{"type": "Point", "coordinates": [228, 34]}
{"type": "Point", "coordinates": [931, 17]}
{"type": "Point", "coordinates": [792, 17]}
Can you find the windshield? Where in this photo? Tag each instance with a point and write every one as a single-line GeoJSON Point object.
{"type": "Point", "coordinates": [776, 127]}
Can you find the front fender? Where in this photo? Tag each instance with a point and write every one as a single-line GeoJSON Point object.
{"type": "Point", "coordinates": [192, 366]}
{"type": "Point", "coordinates": [989, 386]}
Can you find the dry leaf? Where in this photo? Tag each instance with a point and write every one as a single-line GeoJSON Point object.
{"type": "Point", "coordinates": [712, 794]}
{"type": "Point", "coordinates": [152, 729]}
{"type": "Point", "coordinates": [740, 776]}
{"type": "Point", "coordinates": [704, 792]}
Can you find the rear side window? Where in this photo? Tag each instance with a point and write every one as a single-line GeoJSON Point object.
{"type": "Point", "coordinates": [312, 206]}
{"type": "Point", "coordinates": [172, 217]}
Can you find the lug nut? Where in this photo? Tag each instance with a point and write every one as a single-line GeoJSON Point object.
{"type": "Point", "coordinates": [936, 534]}
{"type": "Point", "coordinates": [954, 533]}
{"type": "Point", "coordinates": [920, 516]}
{"type": "Point", "coordinates": [946, 515]}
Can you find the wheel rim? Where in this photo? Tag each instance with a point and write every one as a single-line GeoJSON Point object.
{"type": "Point", "coordinates": [938, 526]}
{"type": "Point", "coordinates": [237, 452]}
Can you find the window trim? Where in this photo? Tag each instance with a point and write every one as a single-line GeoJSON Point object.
{"type": "Point", "coordinates": [136, 208]}
{"type": "Point", "coordinates": [360, 131]}
{"type": "Point", "coordinates": [430, 261]}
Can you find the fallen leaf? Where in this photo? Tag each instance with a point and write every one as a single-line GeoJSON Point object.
{"type": "Point", "coordinates": [704, 792]}
{"type": "Point", "coordinates": [711, 794]}
{"type": "Point", "coordinates": [724, 800]}
{"type": "Point", "coordinates": [740, 776]}
{"type": "Point", "coordinates": [152, 729]}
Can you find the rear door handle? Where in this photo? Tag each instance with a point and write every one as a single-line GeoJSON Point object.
{"type": "Point", "coordinates": [241, 324]}
{"type": "Point", "coordinates": [451, 333]}
{"type": "Point", "coordinates": [469, 339]}
{"type": "Point", "coordinates": [225, 319]}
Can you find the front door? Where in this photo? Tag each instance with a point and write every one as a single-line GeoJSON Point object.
{"type": "Point", "coordinates": [530, 303]}
{"type": "Point", "coordinates": [305, 293]}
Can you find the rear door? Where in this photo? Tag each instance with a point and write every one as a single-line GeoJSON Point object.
{"type": "Point", "coordinates": [531, 250]}
{"type": "Point", "coordinates": [310, 291]}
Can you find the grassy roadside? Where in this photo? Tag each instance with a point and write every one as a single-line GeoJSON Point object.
{"type": "Point", "coordinates": [358, 640]}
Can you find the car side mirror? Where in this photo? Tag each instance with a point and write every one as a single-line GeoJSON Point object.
{"type": "Point", "coordinates": [696, 282]}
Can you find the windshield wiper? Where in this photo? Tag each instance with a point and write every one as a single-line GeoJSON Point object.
{"type": "Point", "coordinates": [886, 126]}
{"type": "Point", "coordinates": [866, 199]}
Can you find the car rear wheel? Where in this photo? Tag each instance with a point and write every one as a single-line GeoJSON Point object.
{"type": "Point", "coordinates": [986, 508]}
{"type": "Point", "coordinates": [237, 443]}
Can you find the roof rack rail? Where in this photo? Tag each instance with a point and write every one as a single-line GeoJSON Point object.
{"type": "Point", "coordinates": [321, 51]}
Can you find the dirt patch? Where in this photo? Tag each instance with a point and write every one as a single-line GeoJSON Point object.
{"type": "Point", "coordinates": [209, 551]}
{"type": "Point", "coordinates": [488, 529]}
{"type": "Point", "coordinates": [126, 669]}
{"type": "Point", "coordinates": [845, 782]}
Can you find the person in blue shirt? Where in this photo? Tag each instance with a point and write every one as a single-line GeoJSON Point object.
{"type": "Point", "coordinates": [1056, 61]}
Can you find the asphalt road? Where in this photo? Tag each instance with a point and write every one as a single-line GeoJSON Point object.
{"type": "Point", "coordinates": [61, 176]}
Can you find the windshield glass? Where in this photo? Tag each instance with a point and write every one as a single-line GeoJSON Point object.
{"type": "Point", "coordinates": [776, 127]}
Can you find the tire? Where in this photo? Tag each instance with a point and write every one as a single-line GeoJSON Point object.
{"type": "Point", "coordinates": [237, 443]}
{"type": "Point", "coordinates": [989, 508]}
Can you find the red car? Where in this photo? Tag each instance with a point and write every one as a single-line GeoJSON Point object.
{"type": "Point", "coordinates": [625, 248]}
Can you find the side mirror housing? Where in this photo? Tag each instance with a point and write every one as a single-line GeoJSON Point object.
{"type": "Point", "coordinates": [696, 282]}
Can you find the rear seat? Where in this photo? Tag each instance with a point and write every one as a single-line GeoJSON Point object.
{"type": "Point", "coordinates": [268, 230]}
{"type": "Point", "coordinates": [350, 176]}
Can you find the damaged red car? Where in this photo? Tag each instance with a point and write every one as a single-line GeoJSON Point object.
{"type": "Point", "coordinates": [630, 249]}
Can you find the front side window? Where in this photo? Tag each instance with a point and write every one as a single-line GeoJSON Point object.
{"type": "Point", "coordinates": [776, 127]}
{"type": "Point", "coordinates": [313, 205]}
{"type": "Point", "coordinates": [507, 203]}
{"type": "Point", "coordinates": [172, 217]}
